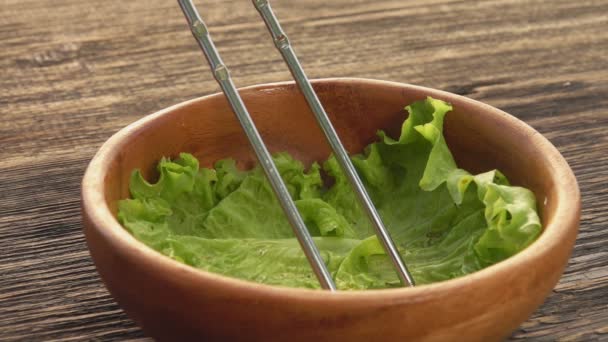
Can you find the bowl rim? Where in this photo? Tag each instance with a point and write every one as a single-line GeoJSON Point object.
{"type": "Point", "coordinates": [94, 207]}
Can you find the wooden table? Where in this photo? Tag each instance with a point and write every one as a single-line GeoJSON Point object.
{"type": "Point", "coordinates": [73, 73]}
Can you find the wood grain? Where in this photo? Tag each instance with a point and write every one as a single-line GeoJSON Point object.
{"type": "Point", "coordinates": [72, 73]}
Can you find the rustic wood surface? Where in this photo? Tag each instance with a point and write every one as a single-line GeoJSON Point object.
{"type": "Point", "coordinates": [72, 73]}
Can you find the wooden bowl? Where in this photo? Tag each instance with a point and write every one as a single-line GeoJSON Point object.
{"type": "Point", "coordinates": [175, 302]}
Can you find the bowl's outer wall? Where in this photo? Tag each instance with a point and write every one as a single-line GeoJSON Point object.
{"type": "Point", "coordinates": [174, 302]}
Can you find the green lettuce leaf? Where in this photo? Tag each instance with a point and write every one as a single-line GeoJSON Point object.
{"type": "Point", "coordinates": [445, 221]}
{"type": "Point", "coordinates": [272, 261]}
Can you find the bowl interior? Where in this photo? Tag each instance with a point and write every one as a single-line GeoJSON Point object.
{"type": "Point", "coordinates": [480, 137]}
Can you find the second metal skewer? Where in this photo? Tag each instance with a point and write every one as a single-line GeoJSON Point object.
{"type": "Point", "coordinates": [283, 45]}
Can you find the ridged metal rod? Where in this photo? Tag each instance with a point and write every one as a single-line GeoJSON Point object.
{"type": "Point", "coordinates": [221, 74]}
{"type": "Point", "coordinates": [283, 45]}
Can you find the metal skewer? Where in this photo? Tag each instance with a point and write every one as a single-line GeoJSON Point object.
{"type": "Point", "coordinates": [283, 45]}
{"type": "Point", "coordinates": [221, 74]}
